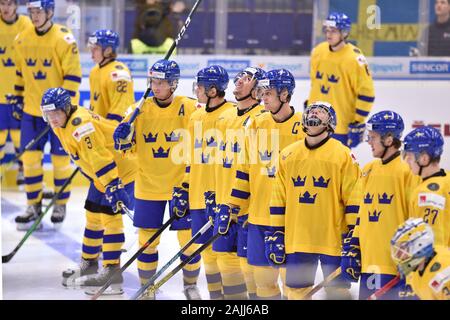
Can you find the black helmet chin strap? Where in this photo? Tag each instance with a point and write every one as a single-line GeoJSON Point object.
{"type": "Point", "coordinates": [280, 107]}
{"type": "Point", "coordinates": [209, 97]}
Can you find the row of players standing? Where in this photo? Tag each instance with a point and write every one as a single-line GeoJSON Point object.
{"type": "Point", "coordinates": [227, 275]}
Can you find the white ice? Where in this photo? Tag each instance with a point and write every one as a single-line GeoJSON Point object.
{"type": "Point", "coordinates": [35, 271]}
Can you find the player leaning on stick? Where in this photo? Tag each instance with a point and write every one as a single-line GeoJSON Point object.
{"type": "Point", "coordinates": [210, 86]}
{"type": "Point", "coordinates": [340, 76]}
{"type": "Point", "coordinates": [267, 135]}
{"type": "Point", "coordinates": [159, 128]}
{"type": "Point", "coordinates": [10, 25]}
{"type": "Point", "coordinates": [384, 193]}
{"type": "Point", "coordinates": [425, 265]}
{"type": "Point", "coordinates": [312, 206]}
{"type": "Point", "coordinates": [46, 57]}
{"type": "Point", "coordinates": [111, 94]}
{"type": "Point", "coordinates": [87, 137]}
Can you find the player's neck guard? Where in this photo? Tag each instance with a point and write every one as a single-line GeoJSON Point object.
{"type": "Point", "coordinates": [241, 112]}
{"type": "Point", "coordinates": [161, 103]}
{"type": "Point", "coordinates": [287, 119]}
{"type": "Point", "coordinates": [211, 109]}
{"type": "Point", "coordinates": [16, 17]}
{"type": "Point", "coordinates": [105, 62]}
{"type": "Point", "coordinates": [440, 173]}
{"type": "Point", "coordinates": [318, 145]}
{"type": "Point", "coordinates": [394, 156]}
{"type": "Point", "coordinates": [43, 32]}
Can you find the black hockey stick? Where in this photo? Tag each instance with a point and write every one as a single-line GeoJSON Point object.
{"type": "Point", "coordinates": [167, 56]}
{"type": "Point", "coordinates": [134, 257]}
{"type": "Point", "coordinates": [171, 261]}
{"type": "Point", "coordinates": [8, 257]}
{"type": "Point", "coordinates": [30, 144]}
{"type": "Point", "coordinates": [157, 285]}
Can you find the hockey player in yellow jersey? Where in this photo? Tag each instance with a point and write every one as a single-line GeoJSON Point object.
{"type": "Point", "coordinates": [110, 80]}
{"type": "Point", "coordinates": [340, 76]}
{"type": "Point", "coordinates": [10, 25]}
{"type": "Point", "coordinates": [431, 199]}
{"type": "Point", "coordinates": [231, 247]}
{"type": "Point", "coordinates": [425, 265]}
{"type": "Point", "coordinates": [384, 193]}
{"type": "Point", "coordinates": [87, 137]}
{"type": "Point", "coordinates": [312, 206]}
{"type": "Point", "coordinates": [160, 128]}
{"type": "Point", "coordinates": [46, 56]}
{"type": "Point", "coordinates": [205, 141]}
{"type": "Point", "coordinates": [110, 98]}
{"type": "Point", "coordinates": [267, 134]}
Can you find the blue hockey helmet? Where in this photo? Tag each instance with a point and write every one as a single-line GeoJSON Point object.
{"type": "Point", "coordinates": [213, 76]}
{"type": "Point", "coordinates": [310, 119]}
{"type": "Point", "coordinates": [104, 38]}
{"type": "Point", "coordinates": [339, 21]}
{"type": "Point", "coordinates": [279, 79]}
{"type": "Point", "coordinates": [54, 99]}
{"type": "Point", "coordinates": [386, 122]}
{"type": "Point", "coordinates": [43, 4]}
{"type": "Point", "coordinates": [424, 139]}
{"type": "Point", "coordinates": [165, 70]}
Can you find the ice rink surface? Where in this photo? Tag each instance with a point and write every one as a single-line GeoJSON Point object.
{"type": "Point", "coordinates": [34, 273]}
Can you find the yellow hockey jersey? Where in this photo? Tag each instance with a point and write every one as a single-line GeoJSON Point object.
{"type": "Point", "coordinates": [8, 66]}
{"type": "Point", "coordinates": [232, 122]}
{"type": "Point", "coordinates": [384, 195]}
{"type": "Point", "coordinates": [160, 146]}
{"type": "Point", "coordinates": [433, 283]}
{"type": "Point", "coordinates": [252, 185]}
{"type": "Point", "coordinates": [88, 139]}
{"type": "Point", "coordinates": [112, 91]}
{"type": "Point", "coordinates": [206, 141]}
{"type": "Point", "coordinates": [312, 196]}
{"type": "Point", "coordinates": [431, 201]}
{"type": "Point", "coordinates": [343, 79]}
{"type": "Point", "coordinates": [46, 61]}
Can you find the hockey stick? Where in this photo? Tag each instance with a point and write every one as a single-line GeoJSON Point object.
{"type": "Point", "coordinates": [171, 261]}
{"type": "Point", "coordinates": [167, 56]}
{"type": "Point", "coordinates": [388, 286]}
{"type": "Point", "coordinates": [134, 257]}
{"type": "Point", "coordinates": [8, 257]}
{"type": "Point", "coordinates": [322, 284]}
{"type": "Point", "coordinates": [157, 285]}
{"type": "Point", "coordinates": [30, 145]}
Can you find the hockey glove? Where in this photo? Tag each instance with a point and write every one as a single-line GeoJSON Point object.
{"type": "Point", "coordinates": [117, 196]}
{"type": "Point", "coordinates": [210, 205]}
{"type": "Point", "coordinates": [274, 247]}
{"type": "Point", "coordinates": [351, 259]}
{"type": "Point", "coordinates": [179, 205]}
{"type": "Point", "coordinates": [17, 107]}
{"type": "Point", "coordinates": [226, 216]}
{"type": "Point", "coordinates": [123, 136]}
{"type": "Point", "coordinates": [355, 134]}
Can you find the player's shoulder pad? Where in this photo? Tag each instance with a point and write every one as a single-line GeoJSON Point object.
{"type": "Point", "coordinates": [120, 75]}
{"type": "Point", "coordinates": [83, 130]}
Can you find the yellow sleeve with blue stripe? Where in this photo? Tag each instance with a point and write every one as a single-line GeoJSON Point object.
{"type": "Point", "coordinates": [363, 84]}
{"type": "Point", "coordinates": [240, 192]}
